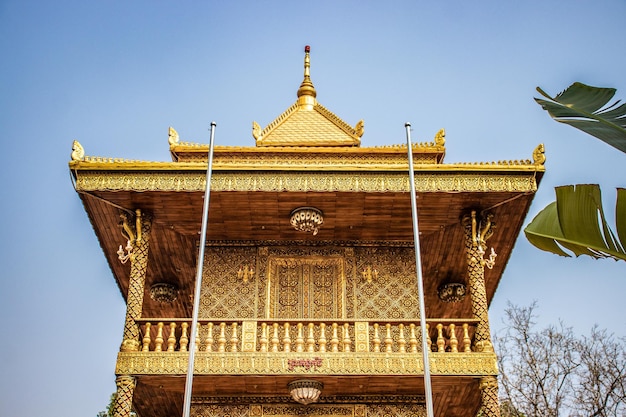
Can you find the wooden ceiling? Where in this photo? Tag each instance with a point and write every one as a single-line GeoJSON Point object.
{"type": "Point", "coordinates": [349, 218]}
{"type": "Point", "coordinates": [162, 396]}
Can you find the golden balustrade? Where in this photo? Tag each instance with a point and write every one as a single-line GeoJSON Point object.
{"type": "Point", "coordinates": [231, 336]}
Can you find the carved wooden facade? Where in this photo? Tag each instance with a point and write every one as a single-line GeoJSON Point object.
{"type": "Point", "coordinates": [277, 304]}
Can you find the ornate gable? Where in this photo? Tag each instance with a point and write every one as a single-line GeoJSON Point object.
{"type": "Point", "coordinates": [307, 123]}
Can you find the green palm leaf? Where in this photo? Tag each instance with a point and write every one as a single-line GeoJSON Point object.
{"type": "Point", "coordinates": [585, 107]}
{"type": "Point", "coordinates": [575, 223]}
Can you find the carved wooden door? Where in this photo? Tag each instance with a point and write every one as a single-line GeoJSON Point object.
{"type": "Point", "coordinates": [307, 287]}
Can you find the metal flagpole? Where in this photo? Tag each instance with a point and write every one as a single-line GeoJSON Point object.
{"type": "Point", "coordinates": [196, 296]}
{"type": "Point", "coordinates": [420, 285]}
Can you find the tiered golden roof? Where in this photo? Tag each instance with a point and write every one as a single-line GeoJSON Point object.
{"type": "Point", "coordinates": [308, 123]}
{"type": "Point", "coordinates": [277, 303]}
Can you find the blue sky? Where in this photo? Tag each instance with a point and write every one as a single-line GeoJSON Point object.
{"type": "Point", "coordinates": [115, 75]}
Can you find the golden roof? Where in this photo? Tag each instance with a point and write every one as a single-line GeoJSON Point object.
{"type": "Point", "coordinates": [363, 192]}
{"type": "Point", "coordinates": [307, 123]}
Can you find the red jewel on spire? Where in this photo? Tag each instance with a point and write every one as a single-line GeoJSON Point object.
{"type": "Point", "coordinates": [307, 49]}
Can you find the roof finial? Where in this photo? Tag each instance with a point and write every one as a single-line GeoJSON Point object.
{"type": "Point", "coordinates": [306, 92]}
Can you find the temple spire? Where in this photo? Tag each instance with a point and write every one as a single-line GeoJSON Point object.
{"type": "Point", "coordinates": [306, 92]}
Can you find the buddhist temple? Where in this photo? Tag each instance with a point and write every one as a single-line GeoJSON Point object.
{"type": "Point", "coordinates": [309, 303]}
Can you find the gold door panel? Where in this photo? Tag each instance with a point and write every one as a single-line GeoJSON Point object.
{"type": "Point", "coordinates": [306, 287]}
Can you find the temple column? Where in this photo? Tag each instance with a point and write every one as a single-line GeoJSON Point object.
{"type": "Point", "coordinates": [489, 396]}
{"type": "Point", "coordinates": [139, 239]}
{"type": "Point", "coordinates": [124, 396]}
{"type": "Point", "coordinates": [476, 233]}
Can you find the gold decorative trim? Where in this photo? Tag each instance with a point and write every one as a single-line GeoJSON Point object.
{"type": "Point", "coordinates": [287, 160]}
{"type": "Point", "coordinates": [282, 117]}
{"type": "Point", "coordinates": [384, 158]}
{"type": "Point", "coordinates": [349, 251]}
{"type": "Point", "coordinates": [306, 181]}
{"type": "Point", "coordinates": [324, 399]}
{"type": "Point", "coordinates": [196, 147]}
{"type": "Point", "coordinates": [277, 363]}
{"type": "Point", "coordinates": [382, 407]}
{"type": "Point", "coordinates": [340, 123]}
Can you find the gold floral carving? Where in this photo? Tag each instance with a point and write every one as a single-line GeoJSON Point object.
{"type": "Point", "coordinates": [306, 287]}
{"type": "Point", "coordinates": [231, 410]}
{"type": "Point", "coordinates": [223, 294]}
{"type": "Point", "coordinates": [309, 282]}
{"type": "Point", "coordinates": [400, 410]}
{"type": "Point", "coordinates": [289, 410]}
{"type": "Point", "coordinates": [332, 363]}
{"type": "Point", "coordinates": [379, 157]}
{"type": "Point", "coordinates": [367, 406]}
{"type": "Point", "coordinates": [360, 402]}
{"type": "Point", "coordinates": [393, 295]}
{"type": "Point", "coordinates": [249, 336]}
{"type": "Point", "coordinates": [305, 181]}
{"type": "Point", "coordinates": [311, 267]}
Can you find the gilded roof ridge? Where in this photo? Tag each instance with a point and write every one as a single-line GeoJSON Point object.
{"type": "Point", "coordinates": [78, 155]}
{"type": "Point", "coordinates": [277, 121]}
{"type": "Point", "coordinates": [403, 145]}
{"type": "Point", "coordinates": [101, 159]}
{"type": "Point", "coordinates": [539, 159]}
{"type": "Point", "coordinates": [192, 144]}
{"type": "Point", "coordinates": [338, 121]}
{"type": "Point", "coordinates": [495, 163]}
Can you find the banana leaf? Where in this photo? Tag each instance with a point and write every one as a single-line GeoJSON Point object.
{"type": "Point", "coordinates": [585, 107]}
{"type": "Point", "coordinates": [575, 223]}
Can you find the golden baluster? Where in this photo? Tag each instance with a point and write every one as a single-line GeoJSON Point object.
{"type": "Point", "coordinates": [234, 340]}
{"type": "Point", "coordinates": [412, 339]}
{"type": "Point", "coordinates": [310, 341]}
{"type": "Point", "coordinates": [263, 339]}
{"type": "Point", "coordinates": [146, 338]}
{"type": "Point", "coordinates": [376, 339]}
{"type": "Point", "coordinates": [287, 339]}
{"type": "Point", "coordinates": [388, 339]}
{"type": "Point", "coordinates": [221, 340]}
{"type": "Point", "coordinates": [401, 339]}
{"type": "Point", "coordinates": [197, 348]}
{"type": "Point", "coordinates": [171, 341]}
{"type": "Point", "coordinates": [322, 341]}
{"type": "Point", "coordinates": [334, 341]}
{"type": "Point", "coordinates": [184, 339]}
{"type": "Point", "coordinates": [300, 339]}
{"type": "Point", "coordinates": [158, 341]}
{"type": "Point", "coordinates": [454, 343]}
{"type": "Point", "coordinates": [467, 342]}
{"type": "Point", "coordinates": [441, 342]}
{"type": "Point", "coordinates": [209, 338]}
{"type": "Point", "coordinates": [346, 338]}
{"type": "Point", "coordinates": [429, 342]}
{"type": "Point", "coordinates": [275, 339]}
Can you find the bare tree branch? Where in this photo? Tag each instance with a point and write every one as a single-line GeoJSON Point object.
{"type": "Point", "coordinates": [550, 372]}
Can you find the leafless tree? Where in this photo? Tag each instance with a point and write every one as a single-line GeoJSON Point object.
{"type": "Point", "coordinates": [550, 372]}
{"type": "Point", "coordinates": [601, 379]}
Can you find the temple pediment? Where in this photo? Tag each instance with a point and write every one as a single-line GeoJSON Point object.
{"type": "Point", "coordinates": [299, 126]}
